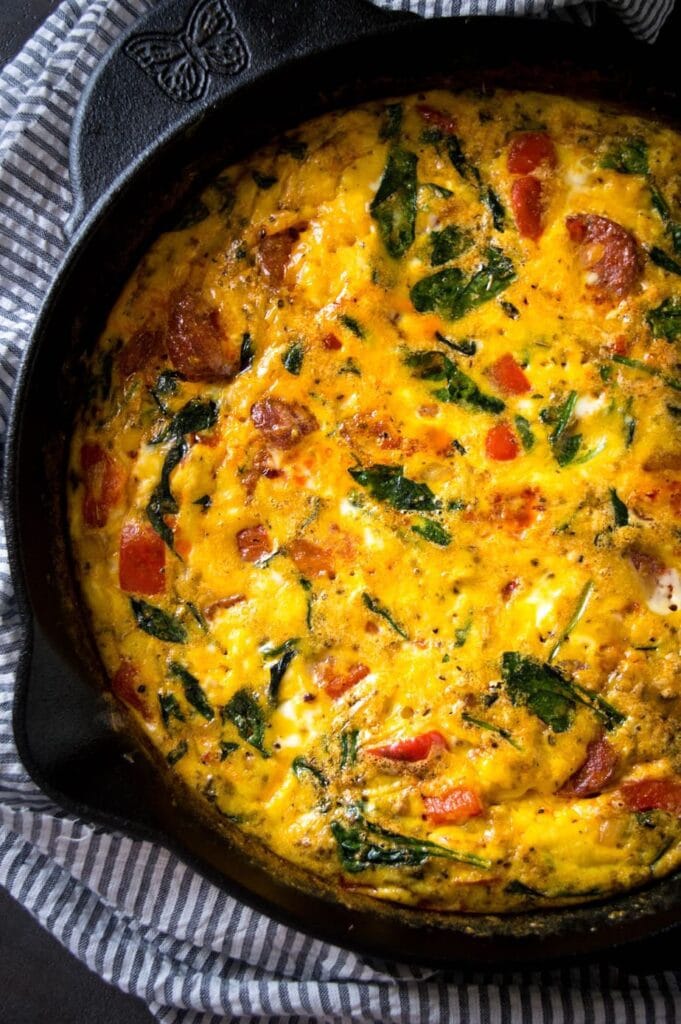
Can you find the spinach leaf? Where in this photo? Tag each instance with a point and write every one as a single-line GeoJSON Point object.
{"type": "Point", "coordinates": [227, 748]}
{"type": "Point", "coordinates": [665, 320]}
{"type": "Point", "coordinates": [170, 708]}
{"type": "Point", "coordinates": [158, 623]}
{"type": "Point", "coordinates": [392, 122]}
{"type": "Point", "coordinates": [495, 206]}
{"type": "Point", "coordinates": [377, 608]}
{"type": "Point", "coordinates": [462, 390]}
{"type": "Point", "coordinates": [284, 655]}
{"type": "Point", "coordinates": [431, 531]}
{"type": "Point", "coordinates": [460, 161]}
{"type": "Point", "coordinates": [348, 746]}
{"type": "Point", "coordinates": [264, 181]}
{"type": "Point", "coordinates": [175, 755]}
{"type": "Point", "coordinates": [293, 358]}
{"type": "Point", "coordinates": [247, 353]}
{"type": "Point", "coordinates": [166, 384]}
{"type": "Point", "coordinates": [627, 156]}
{"type": "Point", "coordinates": [162, 502]}
{"type": "Point", "coordinates": [439, 190]}
{"type": "Point", "coordinates": [565, 450]}
{"type": "Point", "coordinates": [394, 205]}
{"type": "Point", "coordinates": [619, 509]}
{"type": "Point", "coordinates": [300, 766]}
{"type": "Point", "coordinates": [389, 484]}
{"type": "Point", "coordinates": [461, 634]}
{"type": "Point", "coordinates": [652, 371]}
{"type": "Point", "coordinates": [205, 501]}
{"type": "Point", "coordinates": [488, 727]}
{"type": "Point", "coordinates": [467, 347]}
{"type": "Point", "coordinates": [660, 258]}
{"type": "Point", "coordinates": [352, 325]}
{"type": "Point", "coordinates": [525, 434]}
{"type": "Point", "coordinates": [580, 608]}
{"type": "Point", "coordinates": [451, 294]}
{"type": "Point", "coordinates": [549, 695]}
{"type": "Point", "coordinates": [246, 715]}
{"type": "Point", "coordinates": [469, 172]}
{"type": "Point", "coordinates": [193, 690]}
{"type": "Point", "coordinates": [197, 616]}
{"type": "Point", "coordinates": [309, 595]}
{"type": "Point", "coordinates": [565, 446]}
{"type": "Point", "coordinates": [362, 845]}
{"type": "Point", "coordinates": [196, 415]}
{"type": "Point", "coordinates": [449, 243]}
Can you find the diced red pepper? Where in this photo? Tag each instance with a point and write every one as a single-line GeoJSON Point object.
{"type": "Point", "coordinates": [652, 794]}
{"type": "Point", "coordinates": [439, 119]}
{"type": "Point", "coordinates": [508, 376]}
{"type": "Point", "coordinates": [454, 807]}
{"type": "Point", "coordinates": [331, 342]}
{"type": "Point", "coordinates": [103, 479]}
{"type": "Point", "coordinates": [336, 683]}
{"type": "Point", "coordinates": [595, 773]}
{"type": "Point", "coordinates": [416, 748]}
{"type": "Point", "coordinates": [530, 149]}
{"type": "Point", "coordinates": [526, 200]}
{"type": "Point", "coordinates": [141, 560]}
{"type": "Point", "coordinates": [501, 444]}
{"type": "Point", "coordinates": [124, 685]}
{"type": "Point", "coordinates": [254, 543]}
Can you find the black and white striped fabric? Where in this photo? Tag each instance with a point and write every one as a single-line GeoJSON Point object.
{"type": "Point", "coordinates": [131, 911]}
{"type": "Point", "coordinates": [645, 18]}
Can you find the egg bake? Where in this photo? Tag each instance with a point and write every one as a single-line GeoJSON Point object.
{"type": "Point", "coordinates": [375, 500]}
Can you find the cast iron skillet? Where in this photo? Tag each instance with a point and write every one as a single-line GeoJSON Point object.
{"type": "Point", "coordinates": [140, 146]}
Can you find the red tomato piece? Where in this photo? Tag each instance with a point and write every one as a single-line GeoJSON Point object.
{"type": "Point", "coordinates": [254, 543]}
{"type": "Point", "coordinates": [124, 685]}
{"type": "Point", "coordinates": [416, 748]}
{"type": "Point", "coordinates": [103, 479]}
{"type": "Point", "coordinates": [652, 794]}
{"type": "Point", "coordinates": [595, 773]}
{"type": "Point", "coordinates": [530, 149]}
{"type": "Point", "coordinates": [508, 376]}
{"type": "Point", "coordinates": [454, 807]}
{"type": "Point", "coordinates": [501, 443]}
{"type": "Point", "coordinates": [336, 683]}
{"type": "Point", "coordinates": [608, 251]}
{"type": "Point", "coordinates": [141, 560]}
{"type": "Point", "coordinates": [439, 119]}
{"type": "Point", "coordinates": [526, 200]}
{"type": "Point", "coordinates": [331, 342]}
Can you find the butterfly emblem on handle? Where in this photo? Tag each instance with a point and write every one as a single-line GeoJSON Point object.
{"type": "Point", "coordinates": [181, 62]}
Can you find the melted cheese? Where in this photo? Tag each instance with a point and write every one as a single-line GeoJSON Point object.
{"type": "Point", "coordinates": [566, 556]}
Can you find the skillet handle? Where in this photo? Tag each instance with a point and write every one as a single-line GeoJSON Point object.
{"type": "Point", "coordinates": [179, 61]}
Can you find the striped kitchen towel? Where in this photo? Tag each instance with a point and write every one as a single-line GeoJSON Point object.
{"type": "Point", "coordinates": [131, 910]}
{"type": "Point", "coordinates": [645, 18]}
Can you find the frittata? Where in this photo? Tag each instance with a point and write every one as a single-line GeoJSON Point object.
{"type": "Point", "coordinates": [375, 500]}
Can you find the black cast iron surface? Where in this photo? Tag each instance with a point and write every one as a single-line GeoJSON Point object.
{"type": "Point", "coordinates": [137, 149]}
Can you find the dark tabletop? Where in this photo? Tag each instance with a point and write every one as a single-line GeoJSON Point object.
{"type": "Point", "coordinates": [41, 983]}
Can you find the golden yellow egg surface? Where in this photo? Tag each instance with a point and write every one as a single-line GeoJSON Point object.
{"type": "Point", "coordinates": [376, 499]}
